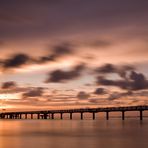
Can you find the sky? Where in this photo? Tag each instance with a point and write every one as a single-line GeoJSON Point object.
{"type": "Point", "coordinates": [73, 53]}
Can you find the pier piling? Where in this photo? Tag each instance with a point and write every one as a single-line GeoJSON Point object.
{"type": "Point", "coordinates": [70, 116]}
{"type": "Point", "coordinates": [81, 115]}
{"type": "Point", "coordinates": [93, 115]}
{"type": "Point", "coordinates": [61, 116]}
{"type": "Point", "coordinates": [52, 115]}
{"type": "Point", "coordinates": [141, 115]}
{"type": "Point", "coordinates": [107, 115]}
{"type": "Point", "coordinates": [123, 115]}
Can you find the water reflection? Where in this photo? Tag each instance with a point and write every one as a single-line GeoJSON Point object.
{"type": "Point", "coordinates": [73, 134]}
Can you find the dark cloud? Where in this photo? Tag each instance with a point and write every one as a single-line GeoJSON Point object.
{"type": "Point", "coordinates": [135, 81]}
{"type": "Point", "coordinates": [138, 81]}
{"type": "Point", "coordinates": [123, 72]}
{"type": "Point", "coordinates": [118, 95]}
{"type": "Point", "coordinates": [62, 49]}
{"type": "Point", "coordinates": [35, 92]}
{"type": "Point", "coordinates": [124, 69]}
{"type": "Point", "coordinates": [9, 85]}
{"type": "Point", "coordinates": [18, 60]}
{"type": "Point", "coordinates": [118, 83]}
{"type": "Point", "coordinates": [83, 95]}
{"type": "Point", "coordinates": [100, 91]}
{"type": "Point", "coordinates": [63, 76]}
{"type": "Point", "coordinates": [115, 95]}
{"type": "Point", "coordinates": [48, 58]}
{"type": "Point", "coordinates": [110, 68]}
{"type": "Point", "coordinates": [15, 61]}
{"type": "Point", "coordinates": [107, 68]}
{"type": "Point", "coordinates": [57, 51]}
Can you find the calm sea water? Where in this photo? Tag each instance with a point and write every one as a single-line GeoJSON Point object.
{"type": "Point", "coordinates": [114, 133]}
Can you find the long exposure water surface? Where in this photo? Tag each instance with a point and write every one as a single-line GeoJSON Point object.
{"type": "Point", "coordinates": [114, 133]}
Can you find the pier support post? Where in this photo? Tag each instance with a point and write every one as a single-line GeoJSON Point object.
{"type": "Point", "coordinates": [25, 116]}
{"type": "Point", "coordinates": [93, 115]}
{"type": "Point", "coordinates": [20, 116]}
{"type": "Point", "coordinates": [141, 115]}
{"type": "Point", "coordinates": [61, 116]}
{"type": "Point", "coordinates": [81, 115]}
{"type": "Point", "coordinates": [31, 116]}
{"type": "Point", "coordinates": [107, 115]}
{"type": "Point", "coordinates": [38, 116]}
{"type": "Point", "coordinates": [123, 115]}
{"type": "Point", "coordinates": [45, 116]}
{"type": "Point", "coordinates": [3, 116]}
{"type": "Point", "coordinates": [10, 116]}
{"type": "Point", "coordinates": [52, 115]}
{"type": "Point", "coordinates": [70, 116]}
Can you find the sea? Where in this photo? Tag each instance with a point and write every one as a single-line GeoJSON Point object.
{"type": "Point", "coordinates": [100, 133]}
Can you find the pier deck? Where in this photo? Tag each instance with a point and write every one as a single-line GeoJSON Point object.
{"type": "Point", "coordinates": [49, 114]}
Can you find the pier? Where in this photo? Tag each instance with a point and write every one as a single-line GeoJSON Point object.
{"type": "Point", "coordinates": [49, 114]}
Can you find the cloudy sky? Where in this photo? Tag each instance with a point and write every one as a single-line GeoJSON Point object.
{"type": "Point", "coordinates": [73, 53]}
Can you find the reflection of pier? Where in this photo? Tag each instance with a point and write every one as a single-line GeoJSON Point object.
{"type": "Point", "coordinates": [49, 114]}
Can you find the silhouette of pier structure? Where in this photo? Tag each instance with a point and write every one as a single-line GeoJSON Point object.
{"type": "Point", "coordinates": [49, 114]}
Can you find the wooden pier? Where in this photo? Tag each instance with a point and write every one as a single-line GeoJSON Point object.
{"type": "Point", "coordinates": [49, 114]}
